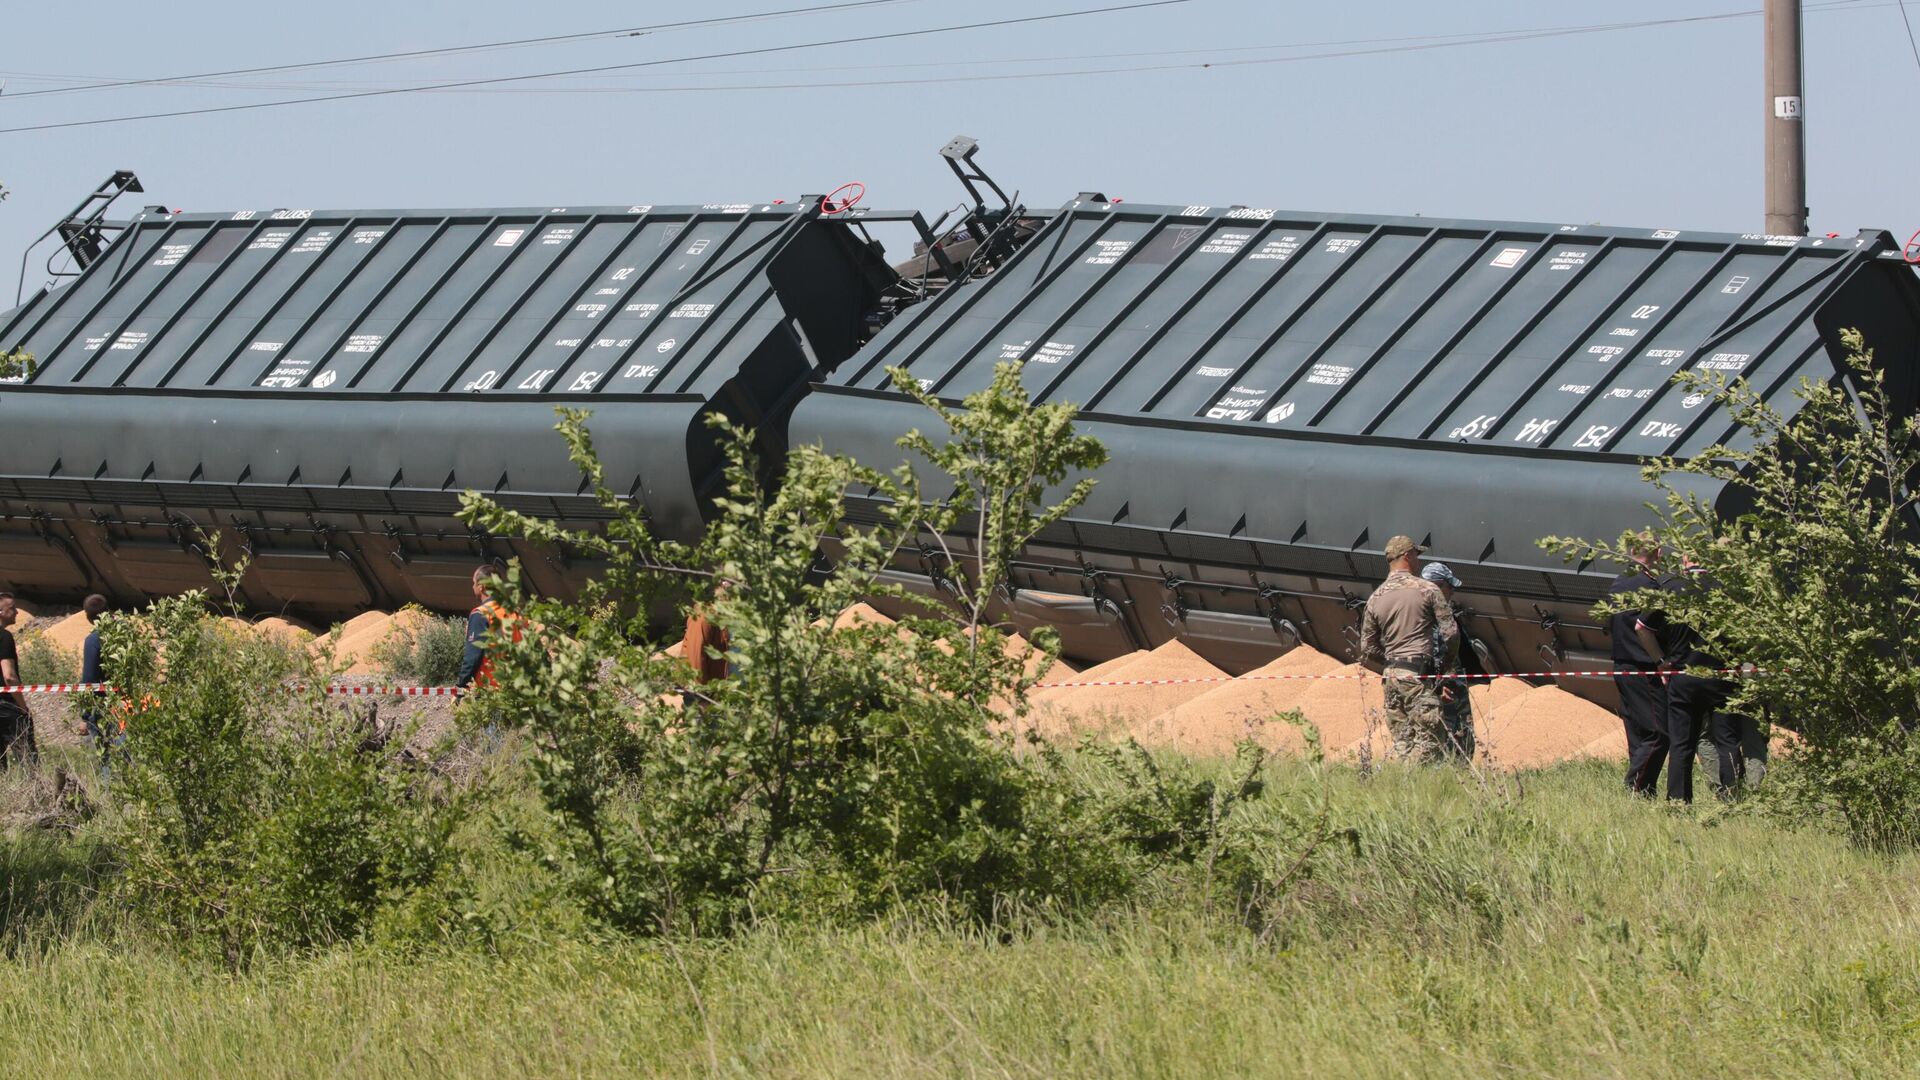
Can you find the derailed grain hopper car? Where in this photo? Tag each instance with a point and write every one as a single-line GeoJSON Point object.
{"type": "Point", "coordinates": [319, 387]}
{"type": "Point", "coordinates": [1282, 393]}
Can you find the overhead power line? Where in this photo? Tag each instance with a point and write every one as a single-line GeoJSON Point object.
{"type": "Point", "coordinates": [1468, 38]}
{"type": "Point", "coordinates": [1908, 23]}
{"type": "Point", "coordinates": [1421, 44]}
{"type": "Point", "coordinates": [213, 79]}
{"type": "Point", "coordinates": [1386, 46]}
{"type": "Point", "coordinates": [454, 50]}
{"type": "Point", "coordinates": [495, 80]}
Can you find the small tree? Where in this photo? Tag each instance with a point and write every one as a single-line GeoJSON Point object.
{"type": "Point", "coordinates": [836, 770]}
{"type": "Point", "coordinates": [1818, 583]}
{"type": "Point", "coordinates": [844, 749]}
{"type": "Point", "coordinates": [1002, 455]}
{"type": "Point", "coordinates": [253, 812]}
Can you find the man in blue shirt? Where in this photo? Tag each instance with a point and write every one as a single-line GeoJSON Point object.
{"type": "Point", "coordinates": [93, 710]}
{"type": "Point", "coordinates": [1456, 707]}
{"type": "Point", "coordinates": [487, 624]}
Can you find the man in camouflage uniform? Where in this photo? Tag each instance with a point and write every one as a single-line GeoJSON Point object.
{"type": "Point", "coordinates": [1456, 709]}
{"type": "Point", "coordinates": [1405, 616]}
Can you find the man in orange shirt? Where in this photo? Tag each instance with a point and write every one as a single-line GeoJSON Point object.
{"type": "Point", "coordinates": [488, 617]}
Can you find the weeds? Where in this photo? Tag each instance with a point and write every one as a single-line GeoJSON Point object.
{"type": "Point", "coordinates": [423, 648]}
{"type": "Point", "coordinates": [43, 660]}
{"type": "Point", "coordinates": [1562, 937]}
{"type": "Point", "coordinates": [836, 772]}
{"type": "Point", "coordinates": [252, 812]}
{"type": "Point", "coordinates": [1815, 571]}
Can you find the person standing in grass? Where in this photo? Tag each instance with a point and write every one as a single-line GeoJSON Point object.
{"type": "Point", "coordinates": [93, 710]}
{"type": "Point", "coordinates": [1456, 707]}
{"type": "Point", "coordinates": [487, 624]}
{"type": "Point", "coordinates": [1696, 704]}
{"type": "Point", "coordinates": [16, 719]}
{"type": "Point", "coordinates": [1637, 653]}
{"type": "Point", "coordinates": [1404, 619]}
{"type": "Point", "coordinates": [704, 647]}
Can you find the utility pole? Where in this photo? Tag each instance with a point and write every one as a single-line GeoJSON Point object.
{"type": "Point", "coordinates": [1786, 124]}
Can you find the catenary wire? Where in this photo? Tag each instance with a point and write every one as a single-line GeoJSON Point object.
{"type": "Point", "coordinates": [1902, 5]}
{"type": "Point", "coordinates": [198, 80]}
{"type": "Point", "coordinates": [762, 51]}
{"type": "Point", "coordinates": [1423, 45]}
{"type": "Point", "coordinates": [1469, 38]}
{"type": "Point", "coordinates": [96, 83]}
{"type": "Point", "coordinates": [1493, 38]}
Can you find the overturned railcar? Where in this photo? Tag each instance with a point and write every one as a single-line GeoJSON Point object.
{"type": "Point", "coordinates": [317, 387]}
{"type": "Point", "coordinates": [1281, 393]}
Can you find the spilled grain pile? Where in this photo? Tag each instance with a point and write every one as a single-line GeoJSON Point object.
{"type": "Point", "coordinates": [1210, 724]}
{"type": "Point", "coordinates": [861, 615]}
{"type": "Point", "coordinates": [1606, 746]}
{"type": "Point", "coordinates": [69, 633]}
{"type": "Point", "coordinates": [1060, 671]}
{"type": "Point", "coordinates": [1097, 672]}
{"type": "Point", "coordinates": [1542, 725]}
{"type": "Point", "coordinates": [357, 638]}
{"type": "Point", "coordinates": [1169, 675]}
{"type": "Point", "coordinates": [288, 630]}
{"type": "Point", "coordinates": [1030, 655]}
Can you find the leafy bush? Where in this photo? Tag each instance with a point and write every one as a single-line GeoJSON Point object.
{"type": "Point", "coordinates": [43, 660]}
{"type": "Point", "coordinates": [254, 813]}
{"type": "Point", "coordinates": [426, 649]}
{"type": "Point", "coordinates": [1818, 575]}
{"type": "Point", "coordinates": [19, 364]}
{"type": "Point", "coordinates": [835, 771]}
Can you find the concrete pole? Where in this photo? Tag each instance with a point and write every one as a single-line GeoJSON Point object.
{"type": "Point", "coordinates": [1786, 125]}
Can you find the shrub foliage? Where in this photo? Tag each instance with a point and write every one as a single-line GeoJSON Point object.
{"type": "Point", "coordinates": [1817, 566]}
{"type": "Point", "coordinates": [252, 812]}
{"type": "Point", "coordinates": [837, 770]}
{"type": "Point", "coordinates": [426, 650]}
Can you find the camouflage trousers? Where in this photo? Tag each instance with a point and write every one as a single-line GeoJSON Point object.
{"type": "Point", "coordinates": [1457, 716]}
{"type": "Point", "coordinates": [1415, 720]}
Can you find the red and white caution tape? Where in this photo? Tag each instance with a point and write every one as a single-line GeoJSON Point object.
{"type": "Point", "coordinates": [401, 691]}
{"type": "Point", "coordinates": [333, 690]}
{"type": "Point", "coordinates": [1333, 676]}
{"type": "Point", "coordinates": [341, 690]}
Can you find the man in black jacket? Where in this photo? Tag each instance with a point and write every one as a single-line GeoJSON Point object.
{"type": "Point", "coordinates": [1643, 691]}
{"type": "Point", "coordinates": [1696, 704]}
{"type": "Point", "coordinates": [16, 720]}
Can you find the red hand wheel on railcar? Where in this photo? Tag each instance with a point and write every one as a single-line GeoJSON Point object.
{"type": "Point", "coordinates": [835, 203]}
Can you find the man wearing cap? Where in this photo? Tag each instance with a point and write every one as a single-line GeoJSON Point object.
{"type": "Point", "coordinates": [1409, 630]}
{"type": "Point", "coordinates": [1456, 710]}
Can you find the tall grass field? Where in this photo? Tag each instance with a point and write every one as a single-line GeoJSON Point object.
{"type": "Point", "coordinates": [1549, 926]}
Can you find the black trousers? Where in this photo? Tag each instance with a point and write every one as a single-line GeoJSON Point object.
{"type": "Point", "coordinates": [1643, 708]}
{"type": "Point", "coordinates": [1696, 707]}
{"type": "Point", "coordinates": [16, 736]}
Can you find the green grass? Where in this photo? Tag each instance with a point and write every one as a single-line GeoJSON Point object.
{"type": "Point", "coordinates": [1568, 931]}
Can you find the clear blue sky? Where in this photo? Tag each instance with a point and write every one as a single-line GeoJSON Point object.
{"type": "Point", "coordinates": [1657, 127]}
